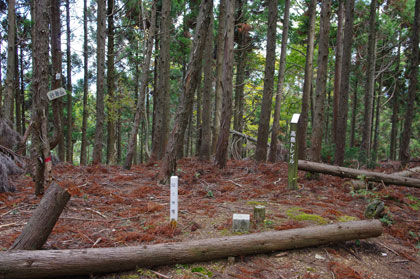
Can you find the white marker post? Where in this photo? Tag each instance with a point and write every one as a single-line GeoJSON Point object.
{"type": "Point", "coordinates": [293, 152]}
{"type": "Point", "coordinates": [174, 200]}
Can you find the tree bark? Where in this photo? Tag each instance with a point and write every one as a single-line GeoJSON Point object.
{"type": "Point", "coordinates": [11, 62]}
{"type": "Point", "coordinates": [227, 86]}
{"type": "Point", "coordinates": [412, 88]}
{"type": "Point", "coordinates": [370, 84]}
{"type": "Point", "coordinates": [272, 156]}
{"type": "Point", "coordinates": [43, 220]}
{"type": "Point", "coordinates": [344, 85]}
{"type": "Point", "coordinates": [69, 147]}
{"type": "Point", "coordinates": [162, 110]}
{"type": "Point", "coordinates": [307, 84]}
{"type": "Point", "coordinates": [150, 34]}
{"type": "Point", "coordinates": [40, 153]}
{"type": "Point", "coordinates": [198, 111]}
{"type": "Point", "coordinates": [357, 174]}
{"type": "Point", "coordinates": [83, 156]}
{"type": "Point", "coordinates": [354, 113]}
{"type": "Point", "coordinates": [112, 105]}
{"type": "Point", "coordinates": [270, 60]}
{"type": "Point", "coordinates": [321, 82]}
{"type": "Point", "coordinates": [395, 106]}
{"type": "Point", "coordinates": [207, 92]}
{"type": "Point", "coordinates": [100, 82]}
{"type": "Point", "coordinates": [185, 106]}
{"type": "Point", "coordinates": [57, 104]}
{"type": "Point", "coordinates": [242, 41]}
{"type": "Point", "coordinates": [60, 263]}
{"type": "Point", "coordinates": [408, 173]}
{"type": "Point", "coordinates": [377, 120]}
{"type": "Point", "coordinates": [219, 71]}
{"type": "Point", "coordinates": [338, 64]}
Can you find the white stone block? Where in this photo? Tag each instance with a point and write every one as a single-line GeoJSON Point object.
{"type": "Point", "coordinates": [241, 222]}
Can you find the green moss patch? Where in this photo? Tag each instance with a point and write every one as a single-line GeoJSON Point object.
{"type": "Point", "coordinates": [346, 218]}
{"type": "Point", "coordinates": [295, 213]}
{"type": "Point", "coordinates": [256, 203]}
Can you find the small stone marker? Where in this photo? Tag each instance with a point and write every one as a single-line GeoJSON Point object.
{"type": "Point", "coordinates": [56, 93]}
{"type": "Point", "coordinates": [174, 199]}
{"type": "Point", "coordinates": [293, 150]}
{"type": "Point", "coordinates": [240, 222]}
{"type": "Point", "coordinates": [259, 214]}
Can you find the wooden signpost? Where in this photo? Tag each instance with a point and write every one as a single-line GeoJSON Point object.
{"type": "Point", "coordinates": [293, 151]}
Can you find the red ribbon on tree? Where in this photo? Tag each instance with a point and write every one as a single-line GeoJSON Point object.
{"type": "Point", "coordinates": [48, 159]}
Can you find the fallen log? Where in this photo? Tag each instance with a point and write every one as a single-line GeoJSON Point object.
{"type": "Point", "coordinates": [358, 174]}
{"type": "Point", "coordinates": [59, 263]}
{"type": "Point", "coordinates": [43, 220]}
{"type": "Point", "coordinates": [408, 173]}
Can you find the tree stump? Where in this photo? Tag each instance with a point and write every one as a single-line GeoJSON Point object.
{"type": "Point", "coordinates": [259, 214]}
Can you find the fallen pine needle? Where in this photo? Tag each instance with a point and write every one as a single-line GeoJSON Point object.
{"type": "Point", "coordinates": [97, 212]}
{"type": "Point", "coordinates": [160, 274]}
{"type": "Point", "coordinates": [9, 225]}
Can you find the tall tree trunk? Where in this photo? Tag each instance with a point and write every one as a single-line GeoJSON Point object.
{"type": "Point", "coordinates": [83, 148]}
{"type": "Point", "coordinates": [395, 107]}
{"type": "Point", "coordinates": [227, 86]}
{"type": "Point", "coordinates": [270, 60]}
{"type": "Point", "coordinates": [307, 84]}
{"type": "Point", "coordinates": [191, 81]}
{"type": "Point", "coordinates": [207, 92]}
{"type": "Point", "coordinates": [370, 84]}
{"type": "Point", "coordinates": [282, 67]}
{"type": "Point", "coordinates": [22, 95]}
{"type": "Point", "coordinates": [321, 81]}
{"type": "Point", "coordinates": [354, 113]}
{"type": "Point", "coordinates": [111, 104]}
{"type": "Point", "coordinates": [377, 119]}
{"type": "Point", "coordinates": [57, 104]}
{"type": "Point", "coordinates": [162, 113]}
{"type": "Point", "coordinates": [17, 92]}
{"type": "Point", "coordinates": [219, 71]}
{"type": "Point", "coordinates": [241, 57]}
{"type": "Point", "coordinates": [1, 84]}
{"type": "Point", "coordinates": [199, 113]}
{"type": "Point", "coordinates": [344, 85]}
{"type": "Point", "coordinates": [150, 34]}
{"type": "Point", "coordinates": [412, 88]}
{"type": "Point", "coordinates": [40, 153]}
{"type": "Point", "coordinates": [11, 62]}
{"type": "Point", "coordinates": [338, 64]}
{"type": "Point", "coordinates": [69, 148]}
{"type": "Point", "coordinates": [100, 83]}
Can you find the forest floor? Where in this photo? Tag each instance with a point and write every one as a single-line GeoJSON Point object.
{"type": "Point", "coordinates": [113, 207]}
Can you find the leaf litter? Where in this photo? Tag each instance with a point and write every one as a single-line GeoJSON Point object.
{"type": "Point", "coordinates": [112, 207]}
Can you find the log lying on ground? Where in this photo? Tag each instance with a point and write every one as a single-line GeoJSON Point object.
{"type": "Point", "coordinates": [39, 227]}
{"type": "Point", "coordinates": [408, 173]}
{"type": "Point", "coordinates": [358, 174]}
{"type": "Point", "coordinates": [58, 263]}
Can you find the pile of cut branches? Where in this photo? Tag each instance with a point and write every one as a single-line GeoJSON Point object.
{"type": "Point", "coordinates": [10, 162]}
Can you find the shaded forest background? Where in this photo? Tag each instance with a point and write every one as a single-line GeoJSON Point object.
{"type": "Point", "coordinates": [162, 80]}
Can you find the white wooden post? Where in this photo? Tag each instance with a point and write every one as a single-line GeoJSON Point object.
{"type": "Point", "coordinates": [293, 153]}
{"type": "Point", "coordinates": [174, 199]}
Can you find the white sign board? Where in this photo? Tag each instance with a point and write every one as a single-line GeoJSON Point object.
{"type": "Point", "coordinates": [56, 93]}
{"type": "Point", "coordinates": [174, 198]}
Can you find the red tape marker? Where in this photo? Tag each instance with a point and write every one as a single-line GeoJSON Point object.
{"type": "Point", "coordinates": [48, 159]}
